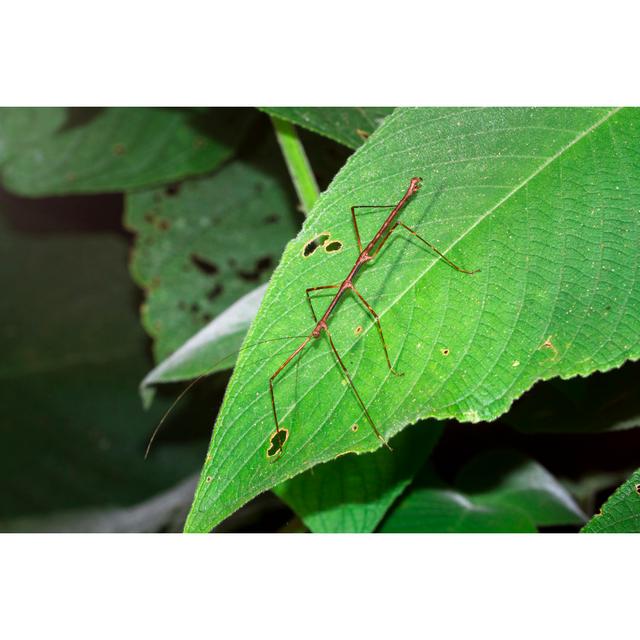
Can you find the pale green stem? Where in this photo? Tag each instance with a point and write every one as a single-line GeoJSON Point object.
{"type": "Point", "coordinates": [296, 159]}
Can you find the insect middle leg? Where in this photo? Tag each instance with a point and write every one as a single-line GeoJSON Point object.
{"type": "Point", "coordinates": [342, 364]}
{"type": "Point", "coordinates": [293, 355]}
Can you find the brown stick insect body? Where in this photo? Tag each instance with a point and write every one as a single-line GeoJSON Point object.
{"type": "Point", "coordinates": [366, 254]}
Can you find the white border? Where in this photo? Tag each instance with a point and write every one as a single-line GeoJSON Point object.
{"type": "Point", "coordinates": [303, 586]}
{"type": "Point", "coordinates": [286, 52]}
{"type": "Point", "coordinates": [329, 53]}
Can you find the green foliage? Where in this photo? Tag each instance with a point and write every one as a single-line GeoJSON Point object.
{"type": "Point", "coordinates": [350, 126]}
{"type": "Point", "coordinates": [621, 512]}
{"type": "Point", "coordinates": [215, 346]}
{"type": "Point", "coordinates": [543, 201]}
{"type": "Point", "coordinates": [352, 494]}
{"type": "Point", "coordinates": [500, 492]}
{"type": "Point", "coordinates": [55, 151]}
{"type": "Point", "coordinates": [206, 243]}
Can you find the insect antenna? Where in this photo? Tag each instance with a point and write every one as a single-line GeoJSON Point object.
{"type": "Point", "coordinates": [195, 381]}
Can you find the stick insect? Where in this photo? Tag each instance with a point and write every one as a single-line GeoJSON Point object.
{"type": "Point", "coordinates": [366, 254]}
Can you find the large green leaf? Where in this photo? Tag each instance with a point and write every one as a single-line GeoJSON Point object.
{"type": "Point", "coordinates": [352, 494]}
{"type": "Point", "coordinates": [113, 149]}
{"type": "Point", "coordinates": [201, 248]}
{"type": "Point", "coordinates": [621, 512]}
{"type": "Point", "coordinates": [73, 431]}
{"type": "Point", "coordinates": [496, 492]}
{"type": "Point", "coordinates": [544, 201]}
{"type": "Point", "coordinates": [350, 126]}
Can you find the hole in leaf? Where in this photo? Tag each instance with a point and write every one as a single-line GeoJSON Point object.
{"type": "Point", "coordinates": [215, 292]}
{"type": "Point", "coordinates": [358, 330]}
{"type": "Point", "coordinates": [354, 427]}
{"type": "Point", "coordinates": [278, 438]}
{"type": "Point", "coordinates": [172, 189]}
{"type": "Point", "coordinates": [262, 265]}
{"type": "Point", "coordinates": [445, 352]}
{"type": "Point", "coordinates": [638, 489]}
{"type": "Point", "coordinates": [152, 218]}
{"type": "Point", "coordinates": [205, 266]}
{"type": "Point", "coordinates": [332, 247]}
{"type": "Point", "coordinates": [312, 245]}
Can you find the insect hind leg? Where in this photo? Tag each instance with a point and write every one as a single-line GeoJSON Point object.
{"type": "Point", "coordinates": [355, 391]}
{"type": "Point", "coordinates": [376, 320]}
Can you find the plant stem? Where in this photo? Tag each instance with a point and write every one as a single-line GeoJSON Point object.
{"type": "Point", "coordinates": [299, 168]}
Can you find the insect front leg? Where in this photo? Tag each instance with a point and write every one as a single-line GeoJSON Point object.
{"type": "Point", "coordinates": [310, 289]}
{"type": "Point", "coordinates": [451, 264]}
{"type": "Point", "coordinates": [355, 222]}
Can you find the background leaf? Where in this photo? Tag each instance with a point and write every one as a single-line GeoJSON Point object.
{"type": "Point", "coordinates": [203, 246]}
{"type": "Point", "coordinates": [621, 512]}
{"type": "Point", "coordinates": [114, 148]}
{"type": "Point", "coordinates": [22, 129]}
{"type": "Point", "coordinates": [163, 512]}
{"type": "Point", "coordinates": [73, 431]}
{"type": "Point", "coordinates": [544, 201]}
{"type": "Point", "coordinates": [350, 126]}
{"type": "Point", "coordinates": [599, 403]}
{"type": "Point", "coordinates": [495, 492]}
{"type": "Point", "coordinates": [352, 494]}
{"type": "Point", "coordinates": [214, 348]}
